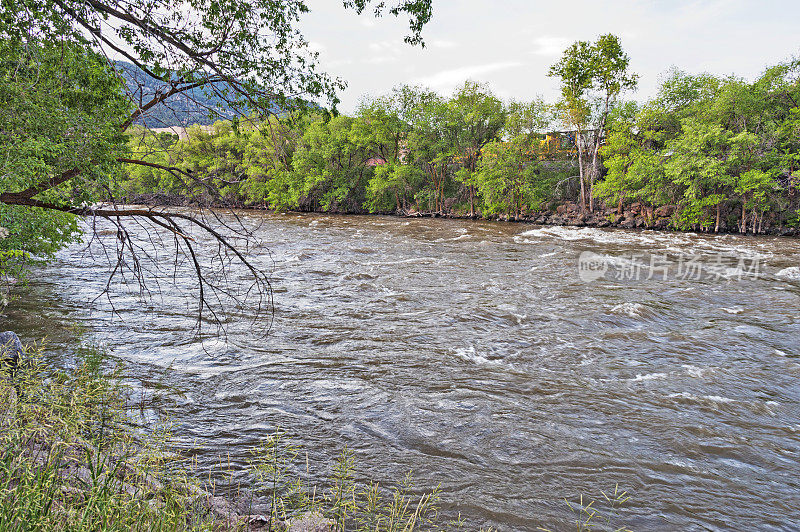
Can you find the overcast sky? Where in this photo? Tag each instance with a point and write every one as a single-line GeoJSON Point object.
{"type": "Point", "coordinates": [511, 43]}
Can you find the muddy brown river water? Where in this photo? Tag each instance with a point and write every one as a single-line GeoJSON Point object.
{"type": "Point", "coordinates": [514, 365]}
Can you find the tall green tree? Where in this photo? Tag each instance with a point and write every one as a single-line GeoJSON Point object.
{"type": "Point", "coordinates": [428, 142]}
{"type": "Point", "coordinates": [510, 176]}
{"type": "Point", "coordinates": [593, 77]}
{"type": "Point", "coordinates": [475, 118]}
{"type": "Point", "coordinates": [383, 134]}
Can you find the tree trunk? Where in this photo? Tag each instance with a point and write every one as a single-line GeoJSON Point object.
{"type": "Point", "coordinates": [471, 201]}
{"type": "Point", "coordinates": [716, 227]}
{"type": "Point", "coordinates": [593, 171]}
{"type": "Point", "coordinates": [743, 225]}
{"type": "Point", "coordinates": [580, 170]}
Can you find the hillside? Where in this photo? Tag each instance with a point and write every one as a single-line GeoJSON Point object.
{"type": "Point", "coordinates": [196, 106]}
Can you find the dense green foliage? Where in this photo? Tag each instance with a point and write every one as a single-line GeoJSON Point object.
{"type": "Point", "coordinates": [60, 106]}
{"type": "Point", "coordinates": [410, 150]}
{"type": "Point", "coordinates": [724, 151]}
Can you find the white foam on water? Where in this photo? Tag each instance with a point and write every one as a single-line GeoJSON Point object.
{"type": "Point", "coordinates": [461, 237]}
{"type": "Point", "coordinates": [520, 317]}
{"type": "Point", "coordinates": [676, 243]}
{"type": "Point", "coordinates": [733, 310]}
{"type": "Point", "coordinates": [702, 399]}
{"type": "Point", "coordinates": [404, 261]}
{"type": "Point", "coordinates": [602, 236]}
{"type": "Point", "coordinates": [632, 310]}
{"type": "Point", "coordinates": [718, 399]}
{"type": "Point", "coordinates": [649, 377]}
{"type": "Point", "coordinates": [697, 372]}
{"type": "Point", "coordinates": [793, 273]}
{"type": "Point", "coordinates": [743, 251]}
{"type": "Point", "coordinates": [471, 355]}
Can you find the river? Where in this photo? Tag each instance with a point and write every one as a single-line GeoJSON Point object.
{"type": "Point", "coordinates": [514, 365]}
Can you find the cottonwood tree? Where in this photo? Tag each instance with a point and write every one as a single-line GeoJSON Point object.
{"type": "Point", "coordinates": [67, 111]}
{"type": "Point", "coordinates": [723, 151]}
{"type": "Point", "coordinates": [593, 76]}
{"type": "Point", "coordinates": [380, 129]}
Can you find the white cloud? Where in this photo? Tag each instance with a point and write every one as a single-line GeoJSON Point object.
{"type": "Point", "coordinates": [383, 52]}
{"type": "Point", "coordinates": [443, 43]}
{"type": "Point", "coordinates": [551, 46]}
{"type": "Point", "coordinates": [380, 59]}
{"type": "Point", "coordinates": [448, 79]}
{"type": "Point", "coordinates": [339, 63]}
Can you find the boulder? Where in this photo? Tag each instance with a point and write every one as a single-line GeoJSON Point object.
{"type": "Point", "coordinates": [664, 211]}
{"type": "Point", "coordinates": [662, 224]}
{"type": "Point", "coordinates": [310, 522]}
{"type": "Point", "coordinates": [10, 349]}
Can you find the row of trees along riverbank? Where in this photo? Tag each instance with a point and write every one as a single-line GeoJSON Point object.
{"type": "Point", "coordinates": [706, 153]}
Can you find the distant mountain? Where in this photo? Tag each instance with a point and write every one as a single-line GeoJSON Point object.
{"type": "Point", "coordinates": [195, 106]}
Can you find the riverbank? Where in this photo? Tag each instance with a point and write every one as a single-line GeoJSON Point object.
{"type": "Point", "coordinates": [570, 214]}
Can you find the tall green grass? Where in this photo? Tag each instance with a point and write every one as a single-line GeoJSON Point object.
{"type": "Point", "coordinates": [70, 458]}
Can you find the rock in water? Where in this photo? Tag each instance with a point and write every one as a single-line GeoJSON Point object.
{"type": "Point", "coordinates": [10, 349]}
